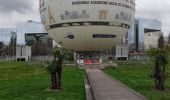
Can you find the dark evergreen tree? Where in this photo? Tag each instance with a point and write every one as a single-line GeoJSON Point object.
{"type": "Point", "coordinates": [161, 59]}
{"type": "Point", "coordinates": [169, 38]}
{"type": "Point", "coordinates": [56, 69]}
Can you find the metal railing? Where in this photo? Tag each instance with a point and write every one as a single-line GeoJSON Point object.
{"type": "Point", "coordinates": [7, 58]}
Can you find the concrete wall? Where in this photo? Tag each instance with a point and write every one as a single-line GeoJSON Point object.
{"type": "Point", "coordinates": [23, 52]}
{"type": "Point", "coordinates": [7, 58]}
{"type": "Point", "coordinates": [151, 39]}
{"type": "Point", "coordinates": [42, 58]}
{"type": "Point", "coordinates": [122, 51]}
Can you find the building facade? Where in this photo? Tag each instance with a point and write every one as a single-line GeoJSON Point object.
{"type": "Point", "coordinates": [122, 52]}
{"type": "Point", "coordinates": [6, 34]}
{"type": "Point", "coordinates": [12, 44]}
{"type": "Point", "coordinates": [130, 39]}
{"type": "Point", "coordinates": [89, 25]}
{"type": "Point", "coordinates": [8, 38]}
{"type": "Point", "coordinates": [143, 27]}
{"type": "Point", "coordinates": [23, 53]}
{"type": "Point", "coordinates": [151, 39]}
{"type": "Point", "coordinates": [28, 27]}
{"type": "Point", "coordinates": [41, 43]}
{"type": "Point", "coordinates": [29, 33]}
{"type": "Point", "coordinates": [1, 48]}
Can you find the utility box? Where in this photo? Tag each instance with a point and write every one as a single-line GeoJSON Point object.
{"type": "Point", "coordinates": [23, 53]}
{"type": "Point", "coordinates": [121, 52]}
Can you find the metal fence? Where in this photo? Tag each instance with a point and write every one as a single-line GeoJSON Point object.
{"type": "Point", "coordinates": [42, 58]}
{"type": "Point", "coordinates": [138, 57]}
{"type": "Point", "coordinates": [50, 58]}
{"type": "Point", "coordinates": [33, 58]}
{"type": "Point", "coordinates": [7, 58]}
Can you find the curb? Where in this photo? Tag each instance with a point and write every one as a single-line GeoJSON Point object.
{"type": "Point", "coordinates": [88, 89]}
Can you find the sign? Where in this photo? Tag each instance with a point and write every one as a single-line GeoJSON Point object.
{"type": "Point", "coordinates": [64, 11]}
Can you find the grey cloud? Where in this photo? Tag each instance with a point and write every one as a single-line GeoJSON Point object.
{"type": "Point", "coordinates": [152, 9]}
{"type": "Point", "coordinates": [20, 6]}
{"type": "Point", "coordinates": [155, 9]}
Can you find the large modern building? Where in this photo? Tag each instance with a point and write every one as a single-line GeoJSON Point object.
{"type": "Point", "coordinates": [34, 34]}
{"type": "Point", "coordinates": [12, 44]}
{"type": "Point", "coordinates": [151, 39]}
{"type": "Point", "coordinates": [131, 38]}
{"type": "Point", "coordinates": [1, 48]}
{"type": "Point", "coordinates": [143, 35]}
{"type": "Point", "coordinates": [6, 34]}
{"type": "Point", "coordinates": [8, 38]}
{"type": "Point", "coordinates": [26, 33]}
{"type": "Point", "coordinates": [41, 43]}
{"type": "Point", "coordinates": [144, 29]}
{"type": "Point", "coordinates": [87, 27]}
{"type": "Point", "coordinates": [28, 27]}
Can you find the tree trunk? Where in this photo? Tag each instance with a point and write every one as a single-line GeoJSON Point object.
{"type": "Point", "coordinates": [159, 76]}
{"type": "Point", "coordinates": [156, 75]}
{"type": "Point", "coordinates": [163, 78]}
{"type": "Point", "coordinates": [56, 78]}
{"type": "Point", "coordinates": [59, 78]}
{"type": "Point", "coordinates": [54, 84]}
{"type": "Point", "coordinates": [60, 61]}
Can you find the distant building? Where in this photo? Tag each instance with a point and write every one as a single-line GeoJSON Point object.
{"type": "Point", "coordinates": [33, 38]}
{"type": "Point", "coordinates": [4, 49]}
{"type": "Point", "coordinates": [5, 34]}
{"type": "Point", "coordinates": [28, 27]}
{"type": "Point", "coordinates": [34, 34]}
{"type": "Point", "coordinates": [12, 44]}
{"type": "Point", "coordinates": [151, 39]}
{"type": "Point", "coordinates": [142, 29]}
{"type": "Point", "coordinates": [1, 48]}
{"type": "Point", "coordinates": [23, 53]}
{"type": "Point", "coordinates": [131, 38]}
{"type": "Point", "coordinates": [8, 37]}
{"type": "Point", "coordinates": [121, 52]}
{"type": "Point", "coordinates": [41, 43]}
{"type": "Point", "coordinates": [142, 35]}
{"type": "Point", "coordinates": [166, 40]}
{"type": "Point", "coordinates": [29, 33]}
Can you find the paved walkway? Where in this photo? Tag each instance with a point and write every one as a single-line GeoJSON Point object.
{"type": "Point", "coordinates": [105, 87]}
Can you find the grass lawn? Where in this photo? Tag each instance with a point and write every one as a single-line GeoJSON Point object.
{"type": "Point", "coordinates": [137, 76]}
{"type": "Point", "coordinates": [26, 81]}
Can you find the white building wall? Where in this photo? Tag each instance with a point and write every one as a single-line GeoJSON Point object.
{"type": "Point", "coordinates": [23, 52]}
{"type": "Point", "coordinates": [151, 39]}
{"type": "Point", "coordinates": [28, 27]}
{"type": "Point", "coordinates": [122, 51]}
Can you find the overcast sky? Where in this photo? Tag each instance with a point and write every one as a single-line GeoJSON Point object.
{"type": "Point", "coordinates": [12, 11]}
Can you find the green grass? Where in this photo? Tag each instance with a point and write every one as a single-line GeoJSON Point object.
{"type": "Point", "coordinates": [25, 81]}
{"type": "Point", "coordinates": [137, 76]}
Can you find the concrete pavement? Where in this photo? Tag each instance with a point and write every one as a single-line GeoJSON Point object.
{"type": "Point", "coordinates": [105, 87]}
